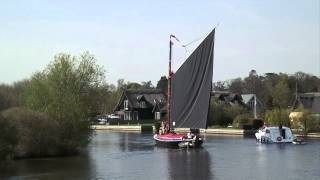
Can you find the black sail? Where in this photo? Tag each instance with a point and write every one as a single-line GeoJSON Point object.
{"type": "Point", "coordinates": [191, 87]}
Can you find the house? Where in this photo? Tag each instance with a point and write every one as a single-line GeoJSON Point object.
{"type": "Point", "coordinates": [228, 97]}
{"type": "Point", "coordinates": [250, 100]}
{"type": "Point", "coordinates": [141, 104]}
{"type": "Point", "coordinates": [309, 101]}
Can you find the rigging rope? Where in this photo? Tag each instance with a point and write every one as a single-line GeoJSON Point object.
{"type": "Point", "coordinates": [191, 42]}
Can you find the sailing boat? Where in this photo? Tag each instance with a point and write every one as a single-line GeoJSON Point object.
{"type": "Point", "coordinates": [188, 97]}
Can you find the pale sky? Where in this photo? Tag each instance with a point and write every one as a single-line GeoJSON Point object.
{"type": "Point", "coordinates": [130, 38]}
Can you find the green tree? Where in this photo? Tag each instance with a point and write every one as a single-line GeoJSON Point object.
{"type": "Point", "coordinates": [121, 85]}
{"type": "Point", "coordinates": [253, 84]}
{"type": "Point", "coordinates": [11, 95]}
{"type": "Point", "coordinates": [305, 121]}
{"type": "Point", "coordinates": [220, 86]}
{"type": "Point", "coordinates": [236, 86]}
{"type": "Point", "coordinates": [281, 93]}
{"type": "Point", "coordinates": [223, 113]}
{"type": "Point", "coordinates": [241, 120]}
{"type": "Point", "coordinates": [104, 99]}
{"type": "Point", "coordinates": [278, 117]}
{"type": "Point", "coordinates": [163, 84]}
{"type": "Point", "coordinates": [147, 85]}
{"type": "Point", "coordinates": [65, 91]}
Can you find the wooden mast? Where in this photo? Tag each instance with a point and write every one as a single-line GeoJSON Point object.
{"type": "Point", "coordinates": [169, 121]}
{"type": "Point", "coordinates": [169, 87]}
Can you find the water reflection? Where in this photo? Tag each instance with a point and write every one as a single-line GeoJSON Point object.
{"type": "Point", "coordinates": [120, 155]}
{"type": "Point", "coordinates": [77, 167]}
{"type": "Point", "coordinates": [189, 164]}
{"type": "Point", "coordinates": [135, 141]}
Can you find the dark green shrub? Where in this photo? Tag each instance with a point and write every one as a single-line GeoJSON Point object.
{"type": "Point", "coordinates": [278, 116]}
{"type": "Point", "coordinates": [223, 113]}
{"type": "Point", "coordinates": [315, 122]}
{"type": "Point", "coordinates": [241, 120]}
{"type": "Point", "coordinates": [73, 136]}
{"type": "Point", "coordinates": [257, 123]}
{"type": "Point", "coordinates": [146, 128]}
{"type": "Point", "coordinates": [37, 133]}
{"type": "Point", "coordinates": [247, 127]}
{"type": "Point", "coordinates": [157, 126]}
{"type": "Point", "coordinates": [305, 121]}
{"type": "Point", "coordinates": [8, 138]}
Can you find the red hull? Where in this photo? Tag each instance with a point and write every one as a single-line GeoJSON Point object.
{"type": "Point", "coordinates": [174, 140]}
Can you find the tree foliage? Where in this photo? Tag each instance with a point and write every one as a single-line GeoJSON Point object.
{"type": "Point", "coordinates": [11, 95]}
{"type": "Point", "coordinates": [223, 113]}
{"type": "Point", "coordinates": [36, 133]}
{"type": "Point", "coordinates": [241, 120]}
{"type": "Point", "coordinates": [277, 117]}
{"type": "Point", "coordinates": [66, 91]}
{"type": "Point", "coordinates": [163, 84]}
{"type": "Point", "coordinates": [8, 138]}
{"type": "Point", "coordinates": [281, 93]}
{"type": "Point", "coordinates": [147, 85]}
{"type": "Point", "coordinates": [236, 86]}
{"type": "Point", "coordinates": [305, 121]}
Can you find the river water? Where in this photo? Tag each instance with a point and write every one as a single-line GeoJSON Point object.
{"type": "Point", "coordinates": [127, 155]}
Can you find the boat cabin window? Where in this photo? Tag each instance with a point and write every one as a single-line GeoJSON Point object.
{"type": "Point", "coordinates": [267, 131]}
{"type": "Point", "coordinates": [283, 133]}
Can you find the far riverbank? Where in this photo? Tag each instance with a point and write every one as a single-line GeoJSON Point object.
{"type": "Point", "coordinates": [223, 131]}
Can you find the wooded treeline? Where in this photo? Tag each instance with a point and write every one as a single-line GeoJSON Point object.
{"type": "Point", "coordinates": [274, 90]}
{"type": "Point", "coordinates": [277, 93]}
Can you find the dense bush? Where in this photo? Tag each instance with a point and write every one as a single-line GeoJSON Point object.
{"type": "Point", "coordinates": [146, 128]}
{"type": "Point", "coordinates": [315, 124]}
{"type": "Point", "coordinates": [11, 95]}
{"type": "Point", "coordinates": [157, 126]}
{"type": "Point", "coordinates": [222, 113]}
{"type": "Point", "coordinates": [278, 117]}
{"type": "Point", "coordinates": [305, 121]}
{"type": "Point", "coordinates": [8, 138]}
{"type": "Point", "coordinates": [37, 133]}
{"type": "Point", "coordinates": [257, 123]}
{"type": "Point", "coordinates": [241, 120]}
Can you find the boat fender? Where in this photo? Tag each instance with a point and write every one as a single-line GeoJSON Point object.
{"type": "Point", "coordinates": [279, 138]}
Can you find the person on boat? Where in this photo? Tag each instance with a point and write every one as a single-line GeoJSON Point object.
{"type": "Point", "coordinates": [191, 134]}
{"type": "Point", "coordinates": [161, 131]}
{"type": "Point", "coordinates": [264, 125]}
{"type": "Point", "coordinates": [280, 130]}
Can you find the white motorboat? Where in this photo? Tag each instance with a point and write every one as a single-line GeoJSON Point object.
{"type": "Point", "coordinates": [279, 134]}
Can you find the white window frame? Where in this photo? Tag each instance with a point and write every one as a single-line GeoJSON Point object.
{"type": "Point", "coordinates": [157, 115]}
{"type": "Point", "coordinates": [126, 104]}
{"type": "Point", "coordinates": [127, 116]}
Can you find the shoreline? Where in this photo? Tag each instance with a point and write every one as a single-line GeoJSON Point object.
{"type": "Point", "coordinates": [238, 132]}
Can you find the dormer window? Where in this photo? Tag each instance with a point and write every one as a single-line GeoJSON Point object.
{"type": "Point", "coordinates": [125, 104]}
{"type": "Point", "coordinates": [143, 104]}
